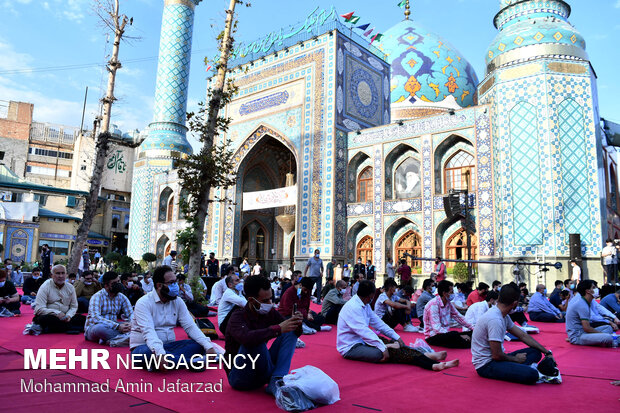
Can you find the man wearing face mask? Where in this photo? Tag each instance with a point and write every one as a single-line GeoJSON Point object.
{"type": "Point", "coordinates": [437, 319]}
{"type": "Point", "coordinates": [248, 331]}
{"type": "Point", "coordinates": [131, 288]}
{"type": "Point", "coordinates": [487, 349]}
{"type": "Point", "coordinates": [540, 309]}
{"type": "Point", "coordinates": [85, 288]}
{"type": "Point", "coordinates": [333, 302]}
{"type": "Point", "coordinates": [31, 286]}
{"type": "Point", "coordinates": [476, 310]}
{"type": "Point", "coordinates": [359, 269]}
{"type": "Point", "coordinates": [300, 295]}
{"type": "Point", "coordinates": [147, 283]}
{"type": "Point", "coordinates": [56, 305]}
{"type": "Point", "coordinates": [428, 291]}
{"type": "Point", "coordinates": [315, 267]}
{"type": "Point", "coordinates": [155, 317]}
{"type": "Point", "coordinates": [231, 298]}
{"type": "Point", "coordinates": [9, 298]}
{"type": "Point", "coordinates": [105, 308]}
{"type": "Point", "coordinates": [578, 327]}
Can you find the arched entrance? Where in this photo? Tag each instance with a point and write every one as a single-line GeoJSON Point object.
{"type": "Point", "coordinates": [163, 247]}
{"type": "Point", "coordinates": [456, 247]}
{"type": "Point", "coordinates": [411, 243]}
{"type": "Point", "coordinates": [263, 235]}
{"type": "Point", "coordinates": [364, 249]}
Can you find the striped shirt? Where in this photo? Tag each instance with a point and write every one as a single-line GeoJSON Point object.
{"type": "Point", "coordinates": [437, 317]}
{"type": "Point", "coordinates": [105, 309]}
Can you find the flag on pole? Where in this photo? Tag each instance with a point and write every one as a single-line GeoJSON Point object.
{"type": "Point", "coordinates": [347, 16]}
{"type": "Point", "coordinates": [402, 3]}
{"type": "Point", "coordinates": [354, 20]}
{"type": "Point", "coordinates": [377, 37]}
{"type": "Point", "coordinates": [369, 31]}
{"type": "Point", "coordinates": [363, 26]}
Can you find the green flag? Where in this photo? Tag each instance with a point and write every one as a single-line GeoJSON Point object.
{"type": "Point", "coordinates": [402, 3]}
{"type": "Point", "coordinates": [354, 20]}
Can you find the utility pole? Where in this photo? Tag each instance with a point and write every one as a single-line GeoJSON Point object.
{"type": "Point", "coordinates": [108, 12]}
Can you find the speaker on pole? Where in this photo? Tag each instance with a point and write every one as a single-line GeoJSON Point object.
{"type": "Point", "coordinates": [574, 241]}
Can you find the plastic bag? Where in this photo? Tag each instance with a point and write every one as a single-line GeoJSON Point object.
{"type": "Point", "coordinates": [318, 386]}
{"type": "Point", "coordinates": [291, 399]}
{"type": "Point", "coordinates": [422, 346]}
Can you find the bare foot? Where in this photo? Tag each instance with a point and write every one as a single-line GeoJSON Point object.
{"type": "Point", "coordinates": [445, 365]}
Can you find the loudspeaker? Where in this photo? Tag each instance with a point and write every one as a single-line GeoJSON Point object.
{"type": "Point", "coordinates": [452, 206]}
{"type": "Point", "coordinates": [574, 242]}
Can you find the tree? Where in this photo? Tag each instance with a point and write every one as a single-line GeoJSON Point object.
{"type": "Point", "coordinates": [125, 264]}
{"type": "Point", "coordinates": [112, 257]}
{"type": "Point", "coordinates": [212, 166]}
{"type": "Point", "coordinates": [460, 272]}
{"type": "Point", "coordinates": [149, 258]}
{"type": "Point", "coordinates": [108, 12]}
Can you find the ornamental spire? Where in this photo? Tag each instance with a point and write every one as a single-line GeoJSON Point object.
{"type": "Point", "coordinates": [407, 11]}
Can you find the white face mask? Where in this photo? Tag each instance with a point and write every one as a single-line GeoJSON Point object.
{"type": "Point", "coordinates": [129, 284]}
{"type": "Point", "coordinates": [596, 291]}
{"type": "Point", "coordinates": [264, 308]}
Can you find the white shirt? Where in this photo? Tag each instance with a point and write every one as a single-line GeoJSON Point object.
{"type": "Point", "coordinates": [147, 287]}
{"type": "Point", "coordinates": [611, 258]}
{"type": "Point", "coordinates": [218, 291]}
{"type": "Point", "coordinates": [353, 327]}
{"type": "Point", "coordinates": [389, 268]}
{"type": "Point", "coordinates": [380, 307]}
{"type": "Point", "coordinates": [167, 261]}
{"type": "Point", "coordinates": [576, 273]}
{"type": "Point", "coordinates": [154, 322]}
{"type": "Point", "coordinates": [256, 270]}
{"type": "Point", "coordinates": [475, 311]}
{"type": "Point", "coordinates": [229, 300]}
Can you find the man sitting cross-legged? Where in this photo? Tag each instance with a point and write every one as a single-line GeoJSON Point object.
{"type": "Point", "coordinates": [9, 298]}
{"type": "Point", "coordinates": [301, 296]}
{"type": "Point", "coordinates": [357, 341]}
{"type": "Point", "coordinates": [541, 310]}
{"type": "Point", "coordinates": [437, 314]}
{"type": "Point", "coordinates": [249, 330]}
{"type": "Point", "coordinates": [85, 288]}
{"type": "Point", "coordinates": [56, 305]}
{"type": "Point", "coordinates": [104, 310]}
{"type": "Point", "coordinates": [333, 302]}
{"type": "Point", "coordinates": [155, 317]}
{"type": "Point", "coordinates": [229, 300]}
{"type": "Point", "coordinates": [578, 315]}
{"type": "Point", "coordinates": [391, 309]}
{"type": "Point", "coordinates": [487, 349]}
{"type": "Point", "coordinates": [476, 310]}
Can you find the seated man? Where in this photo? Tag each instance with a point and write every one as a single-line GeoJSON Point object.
{"type": "Point", "coordinates": [488, 356]}
{"type": "Point", "coordinates": [56, 305]}
{"type": "Point", "coordinates": [496, 286]}
{"type": "Point", "coordinates": [217, 291]}
{"type": "Point", "coordinates": [578, 326]}
{"type": "Point", "coordinates": [612, 302]}
{"type": "Point", "coordinates": [356, 283]}
{"type": "Point", "coordinates": [565, 296]}
{"type": "Point", "coordinates": [104, 310]}
{"type": "Point", "coordinates": [600, 316]}
{"type": "Point", "coordinates": [31, 286]}
{"type": "Point", "coordinates": [540, 309]}
{"type": "Point", "coordinates": [72, 279]}
{"type": "Point", "coordinates": [392, 310]}
{"type": "Point", "coordinates": [230, 299]}
{"type": "Point", "coordinates": [249, 330]}
{"type": "Point", "coordinates": [155, 317]}
{"type": "Point", "coordinates": [478, 294]}
{"type": "Point", "coordinates": [329, 285]}
{"type": "Point", "coordinates": [147, 283]}
{"type": "Point", "coordinates": [476, 310]}
{"type": "Point", "coordinates": [85, 288]}
{"type": "Point", "coordinates": [437, 314]}
{"type": "Point", "coordinates": [185, 293]}
{"type": "Point", "coordinates": [333, 302]}
{"type": "Point", "coordinates": [9, 298]}
{"type": "Point", "coordinates": [554, 298]}
{"type": "Point", "coordinates": [459, 298]}
{"type": "Point", "coordinates": [131, 288]}
{"type": "Point", "coordinates": [427, 295]}
{"type": "Point", "coordinates": [17, 277]}
{"type": "Point", "coordinates": [301, 296]}
{"type": "Point", "coordinates": [357, 341]}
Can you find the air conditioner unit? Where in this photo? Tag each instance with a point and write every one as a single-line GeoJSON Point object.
{"type": "Point", "coordinates": [71, 202]}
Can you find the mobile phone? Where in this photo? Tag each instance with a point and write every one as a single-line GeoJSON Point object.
{"type": "Point", "coordinates": [294, 308]}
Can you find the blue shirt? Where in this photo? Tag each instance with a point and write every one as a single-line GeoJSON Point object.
{"type": "Point", "coordinates": [610, 302]}
{"type": "Point", "coordinates": [539, 303]}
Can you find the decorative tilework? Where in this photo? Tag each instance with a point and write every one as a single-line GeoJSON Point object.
{"type": "Point", "coordinates": [378, 198]}
{"type": "Point", "coordinates": [427, 203]}
{"type": "Point", "coordinates": [358, 209]}
{"type": "Point", "coordinates": [402, 205]}
{"type": "Point", "coordinates": [263, 103]}
{"type": "Point", "coordinates": [483, 198]}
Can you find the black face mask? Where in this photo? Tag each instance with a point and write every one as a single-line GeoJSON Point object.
{"type": "Point", "coordinates": [116, 288]}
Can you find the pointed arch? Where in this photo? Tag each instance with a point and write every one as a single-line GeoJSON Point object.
{"type": "Point", "coordinates": [442, 152]}
{"type": "Point", "coordinates": [395, 232]}
{"type": "Point", "coordinates": [352, 237]}
{"type": "Point", "coordinates": [395, 159]}
{"type": "Point", "coordinates": [163, 245]}
{"type": "Point", "coordinates": [259, 133]}
{"type": "Point", "coordinates": [164, 197]}
{"type": "Point", "coordinates": [357, 163]}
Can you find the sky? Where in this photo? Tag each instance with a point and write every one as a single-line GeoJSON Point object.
{"type": "Point", "coordinates": [51, 50]}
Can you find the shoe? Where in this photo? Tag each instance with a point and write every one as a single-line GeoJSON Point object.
{"type": "Point", "coordinates": [122, 340]}
{"type": "Point", "coordinates": [4, 312]}
{"type": "Point", "coordinates": [308, 330]}
{"type": "Point", "coordinates": [274, 383]}
{"type": "Point", "coordinates": [300, 344]}
{"type": "Point", "coordinates": [326, 328]}
{"type": "Point", "coordinates": [410, 329]}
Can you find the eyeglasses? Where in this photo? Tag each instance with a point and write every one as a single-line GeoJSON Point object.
{"type": "Point", "coordinates": [170, 282]}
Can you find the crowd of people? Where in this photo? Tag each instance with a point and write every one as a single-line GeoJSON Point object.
{"type": "Point", "coordinates": [140, 311]}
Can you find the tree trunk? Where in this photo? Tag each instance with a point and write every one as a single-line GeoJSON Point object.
{"type": "Point", "coordinates": [101, 147]}
{"type": "Point", "coordinates": [214, 110]}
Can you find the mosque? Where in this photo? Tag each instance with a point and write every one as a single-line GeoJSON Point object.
{"type": "Point", "coordinates": [349, 147]}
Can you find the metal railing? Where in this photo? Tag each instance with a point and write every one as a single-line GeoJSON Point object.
{"type": "Point", "coordinates": [49, 132]}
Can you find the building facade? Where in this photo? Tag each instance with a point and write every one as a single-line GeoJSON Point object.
{"type": "Point", "coordinates": [368, 139]}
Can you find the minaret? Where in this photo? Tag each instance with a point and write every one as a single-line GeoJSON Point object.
{"type": "Point", "coordinates": [166, 139]}
{"type": "Point", "coordinates": [542, 94]}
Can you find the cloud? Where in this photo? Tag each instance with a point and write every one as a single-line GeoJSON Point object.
{"type": "Point", "coordinates": [617, 5]}
{"type": "Point", "coordinates": [12, 59]}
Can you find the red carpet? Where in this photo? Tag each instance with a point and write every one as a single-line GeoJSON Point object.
{"type": "Point", "coordinates": [363, 387]}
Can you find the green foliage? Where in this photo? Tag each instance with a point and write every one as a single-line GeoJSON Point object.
{"type": "Point", "coordinates": [459, 272]}
{"type": "Point", "coordinates": [1, 248]}
{"type": "Point", "coordinates": [112, 257]}
{"type": "Point", "coordinates": [144, 266]}
{"type": "Point", "coordinates": [197, 290]}
{"type": "Point", "coordinates": [125, 264]}
{"type": "Point", "coordinates": [149, 257]}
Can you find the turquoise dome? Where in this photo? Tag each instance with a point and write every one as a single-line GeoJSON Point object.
{"type": "Point", "coordinates": [426, 68]}
{"type": "Point", "coordinates": [534, 28]}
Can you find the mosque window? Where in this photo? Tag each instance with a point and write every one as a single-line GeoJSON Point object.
{"type": "Point", "coordinates": [170, 209]}
{"type": "Point", "coordinates": [456, 247]}
{"type": "Point", "coordinates": [613, 189]}
{"type": "Point", "coordinates": [164, 197]}
{"type": "Point", "coordinates": [364, 249]}
{"type": "Point", "coordinates": [260, 244]}
{"type": "Point", "coordinates": [460, 171]}
{"type": "Point", "coordinates": [410, 242]}
{"type": "Point", "coordinates": [364, 185]}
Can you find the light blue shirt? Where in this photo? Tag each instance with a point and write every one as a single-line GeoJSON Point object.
{"type": "Point", "coordinates": [610, 302]}
{"type": "Point", "coordinates": [540, 303]}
